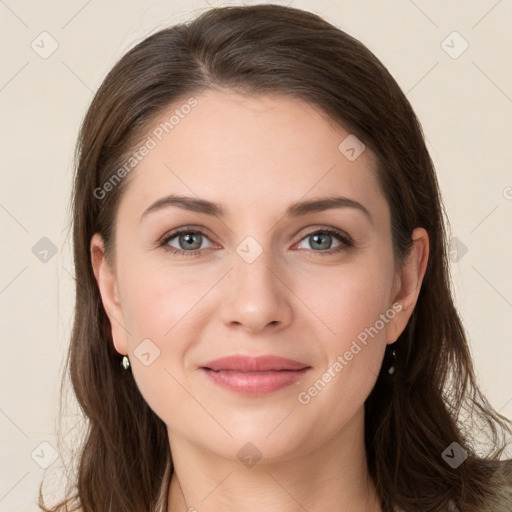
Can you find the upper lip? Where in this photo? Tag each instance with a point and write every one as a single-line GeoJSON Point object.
{"type": "Point", "coordinates": [254, 364]}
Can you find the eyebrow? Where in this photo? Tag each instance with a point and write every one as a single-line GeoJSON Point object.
{"type": "Point", "coordinates": [296, 209]}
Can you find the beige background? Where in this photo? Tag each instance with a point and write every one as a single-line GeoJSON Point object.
{"type": "Point", "coordinates": [464, 103]}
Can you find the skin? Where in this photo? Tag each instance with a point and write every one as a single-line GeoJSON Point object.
{"type": "Point", "coordinates": [255, 156]}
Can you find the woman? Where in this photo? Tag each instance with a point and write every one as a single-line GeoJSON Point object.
{"type": "Point", "coordinates": [263, 312]}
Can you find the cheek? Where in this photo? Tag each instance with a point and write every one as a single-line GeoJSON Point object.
{"type": "Point", "coordinates": [352, 315]}
{"type": "Point", "coordinates": [158, 300]}
{"type": "Point", "coordinates": [159, 313]}
{"type": "Point", "coordinates": [344, 301]}
{"type": "Point", "coordinates": [164, 311]}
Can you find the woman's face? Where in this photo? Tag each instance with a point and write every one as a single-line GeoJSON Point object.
{"type": "Point", "coordinates": [265, 275]}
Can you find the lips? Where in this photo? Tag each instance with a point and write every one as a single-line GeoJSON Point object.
{"type": "Point", "coordinates": [254, 364]}
{"type": "Point", "coordinates": [254, 375]}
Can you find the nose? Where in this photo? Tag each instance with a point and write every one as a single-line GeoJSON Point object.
{"type": "Point", "coordinates": [256, 295]}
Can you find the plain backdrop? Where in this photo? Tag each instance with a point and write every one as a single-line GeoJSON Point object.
{"type": "Point", "coordinates": [451, 58]}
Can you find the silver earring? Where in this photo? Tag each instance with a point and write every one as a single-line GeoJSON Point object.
{"type": "Point", "coordinates": [125, 363]}
{"type": "Point", "coordinates": [392, 368]}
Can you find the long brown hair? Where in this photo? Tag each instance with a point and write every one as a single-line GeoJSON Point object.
{"type": "Point", "coordinates": [412, 416]}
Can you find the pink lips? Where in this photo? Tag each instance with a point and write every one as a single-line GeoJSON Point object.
{"type": "Point", "coordinates": [254, 375]}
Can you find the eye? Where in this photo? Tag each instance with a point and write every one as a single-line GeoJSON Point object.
{"type": "Point", "coordinates": [189, 242]}
{"type": "Point", "coordinates": [321, 239]}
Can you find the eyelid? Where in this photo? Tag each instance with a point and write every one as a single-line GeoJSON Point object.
{"type": "Point", "coordinates": [340, 233]}
{"type": "Point", "coordinates": [183, 229]}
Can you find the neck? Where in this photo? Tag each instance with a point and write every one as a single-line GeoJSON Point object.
{"type": "Point", "coordinates": [333, 476]}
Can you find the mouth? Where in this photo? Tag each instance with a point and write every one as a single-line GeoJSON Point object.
{"type": "Point", "coordinates": [242, 363]}
{"type": "Point", "coordinates": [254, 376]}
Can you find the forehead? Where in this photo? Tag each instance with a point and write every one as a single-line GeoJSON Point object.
{"type": "Point", "coordinates": [250, 152]}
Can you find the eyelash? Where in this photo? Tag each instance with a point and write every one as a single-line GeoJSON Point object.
{"type": "Point", "coordinates": [346, 240]}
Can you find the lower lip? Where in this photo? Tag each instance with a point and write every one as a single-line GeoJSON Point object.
{"type": "Point", "coordinates": [255, 383]}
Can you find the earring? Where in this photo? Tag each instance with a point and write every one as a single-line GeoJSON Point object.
{"type": "Point", "coordinates": [125, 363]}
{"type": "Point", "coordinates": [392, 367]}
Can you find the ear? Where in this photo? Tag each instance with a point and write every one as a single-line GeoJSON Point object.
{"type": "Point", "coordinates": [408, 282]}
{"type": "Point", "coordinates": [107, 284]}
